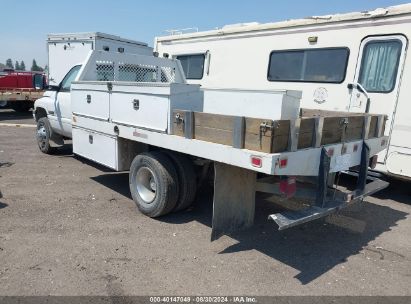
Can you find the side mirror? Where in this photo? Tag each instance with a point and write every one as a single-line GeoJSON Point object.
{"type": "Point", "coordinates": [53, 88]}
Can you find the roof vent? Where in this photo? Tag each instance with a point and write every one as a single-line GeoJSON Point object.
{"type": "Point", "coordinates": [182, 31]}
{"type": "Point", "coordinates": [379, 12]}
{"type": "Point", "coordinates": [228, 26]}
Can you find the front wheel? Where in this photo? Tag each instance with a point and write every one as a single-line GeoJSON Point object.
{"type": "Point", "coordinates": [43, 135]}
{"type": "Point", "coordinates": [153, 183]}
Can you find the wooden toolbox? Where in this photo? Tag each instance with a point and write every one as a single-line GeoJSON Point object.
{"type": "Point", "coordinates": [313, 129]}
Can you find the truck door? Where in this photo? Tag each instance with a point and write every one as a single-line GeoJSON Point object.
{"type": "Point", "coordinates": [379, 68]}
{"type": "Point", "coordinates": [63, 102]}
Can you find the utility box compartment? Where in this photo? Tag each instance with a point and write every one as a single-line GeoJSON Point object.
{"type": "Point", "coordinates": [93, 104]}
{"type": "Point", "coordinates": [97, 147]}
{"type": "Point", "coordinates": [150, 105]}
{"type": "Point", "coordinates": [140, 110]}
{"type": "Point", "coordinates": [276, 104]}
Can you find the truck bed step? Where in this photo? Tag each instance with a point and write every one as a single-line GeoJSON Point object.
{"type": "Point", "coordinates": [290, 218]}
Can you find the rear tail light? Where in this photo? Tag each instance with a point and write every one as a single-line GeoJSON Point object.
{"type": "Point", "coordinates": [283, 162]}
{"type": "Point", "coordinates": [256, 161]}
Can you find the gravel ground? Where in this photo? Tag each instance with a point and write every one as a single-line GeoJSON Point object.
{"type": "Point", "coordinates": [69, 227]}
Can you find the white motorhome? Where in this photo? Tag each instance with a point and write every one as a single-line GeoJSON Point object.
{"type": "Point", "coordinates": [68, 49]}
{"type": "Point", "coordinates": [323, 56]}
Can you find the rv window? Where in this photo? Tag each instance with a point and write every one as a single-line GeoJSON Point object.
{"type": "Point", "coordinates": [314, 65]}
{"type": "Point", "coordinates": [193, 65]}
{"type": "Point", "coordinates": [379, 65]}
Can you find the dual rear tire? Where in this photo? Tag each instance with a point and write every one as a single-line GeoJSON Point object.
{"type": "Point", "coordinates": [161, 182]}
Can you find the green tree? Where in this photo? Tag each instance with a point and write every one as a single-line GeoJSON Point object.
{"type": "Point", "coordinates": [17, 66]}
{"type": "Point", "coordinates": [35, 67]}
{"type": "Point", "coordinates": [9, 63]}
{"type": "Point", "coordinates": [22, 66]}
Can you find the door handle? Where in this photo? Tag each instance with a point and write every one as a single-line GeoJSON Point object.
{"type": "Point", "coordinates": [361, 89]}
{"type": "Point", "coordinates": [136, 104]}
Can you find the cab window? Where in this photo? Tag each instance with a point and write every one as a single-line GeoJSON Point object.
{"type": "Point", "coordinates": [69, 78]}
{"type": "Point", "coordinates": [38, 81]}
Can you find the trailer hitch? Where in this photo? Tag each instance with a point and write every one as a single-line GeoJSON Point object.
{"type": "Point", "coordinates": [328, 201]}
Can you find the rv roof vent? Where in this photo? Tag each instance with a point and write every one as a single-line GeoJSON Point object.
{"type": "Point", "coordinates": [325, 17]}
{"type": "Point", "coordinates": [182, 31]}
{"type": "Point", "coordinates": [377, 12]}
{"type": "Point", "coordinates": [239, 25]}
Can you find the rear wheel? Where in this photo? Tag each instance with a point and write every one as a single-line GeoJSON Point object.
{"type": "Point", "coordinates": [187, 180]}
{"type": "Point", "coordinates": [153, 183]}
{"type": "Point", "coordinates": [43, 135]}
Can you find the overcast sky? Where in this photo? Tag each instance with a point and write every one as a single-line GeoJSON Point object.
{"type": "Point", "coordinates": [25, 24]}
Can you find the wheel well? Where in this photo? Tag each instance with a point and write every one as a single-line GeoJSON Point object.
{"type": "Point", "coordinates": [40, 112]}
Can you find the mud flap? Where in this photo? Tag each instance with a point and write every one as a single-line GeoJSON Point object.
{"type": "Point", "coordinates": [234, 199]}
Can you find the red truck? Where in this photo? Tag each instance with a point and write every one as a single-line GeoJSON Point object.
{"type": "Point", "coordinates": [19, 89]}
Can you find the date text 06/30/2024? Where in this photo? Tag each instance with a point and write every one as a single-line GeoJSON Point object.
{"type": "Point", "coordinates": [203, 299]}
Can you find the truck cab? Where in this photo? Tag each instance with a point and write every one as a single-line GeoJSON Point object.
{"type": "Point", "coordinates": [52, 112]}
{"type": "Point", "coordinates": [66, 55]}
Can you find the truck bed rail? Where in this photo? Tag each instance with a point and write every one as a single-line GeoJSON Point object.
{"type": "Point", "coordinates": [274, 136]}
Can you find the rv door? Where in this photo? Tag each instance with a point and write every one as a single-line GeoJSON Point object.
{"type": "Point", "coordinates": [379, 68]}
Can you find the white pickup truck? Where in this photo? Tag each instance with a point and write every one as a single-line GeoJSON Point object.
{"type": "Point", "coordinates": [137, 113]}
{"type": "Point", "coordinates": [67, 52]}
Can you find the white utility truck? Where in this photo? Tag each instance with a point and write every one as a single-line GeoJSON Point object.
{"type": "Point", "coordinates": [137, 113]}
{"type": "Point", "coordinates": [322, 56]}
{"type": "Point", "coordinates": [69, 49]}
